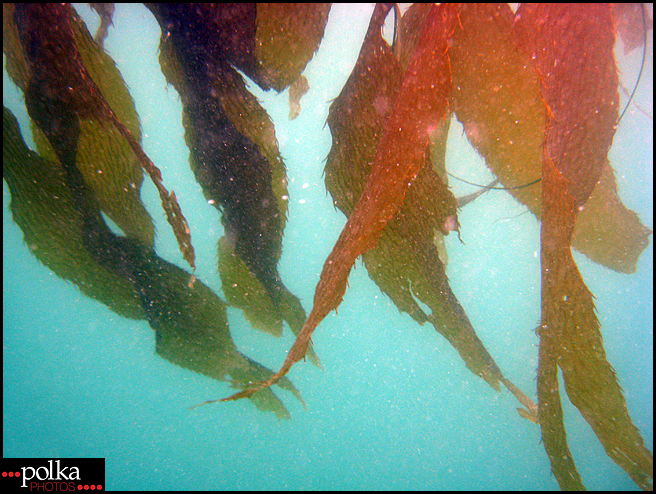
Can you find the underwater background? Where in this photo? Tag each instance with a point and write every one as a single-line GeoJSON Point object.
{"type": "Point", "coordinates": [394, 406]}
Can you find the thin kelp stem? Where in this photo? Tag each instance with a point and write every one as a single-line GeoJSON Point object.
{"type": "Point", "coordinates": [492, 187]}
{"type": "Point", "coordinates": [642, 63]}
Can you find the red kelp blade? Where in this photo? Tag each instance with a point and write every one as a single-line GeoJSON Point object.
{"type": "Point", "coordinates": [405, 264]}
{"type": "Point", "coordinates": [422, 103]}
{"type": "Point", "coordinates": [572, 50]}
{"type": "Point", "coordinates": [496, 97]}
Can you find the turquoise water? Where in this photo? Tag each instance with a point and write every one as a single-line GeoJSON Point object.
{"type": "Point", "coordinates": [394, 406]}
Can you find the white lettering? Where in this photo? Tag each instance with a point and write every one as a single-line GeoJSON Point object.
{"type": "Point", "coordinates": [48, 473]}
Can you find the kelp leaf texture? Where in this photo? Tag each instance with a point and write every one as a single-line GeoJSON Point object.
{"type": "Point", "coordinates": [58, 113]}
{"type": "Point", "coordinates": [189, 319]}
{"type": "Point", "coordinates": [243, 290]}
{"type": "Point", "coordinates": [405, 263]}
{"type": "Point", "coordinates": [496, 98]}
{"type": "Point", "coordinates": [287, 37]}
{"type": "Point", "coordinates": [421, 105]}
{"type": "Point", "coordinates": [58, 78]}
{"type": "Point", "coordinates": [233, 148]}
{"type": "Point", "coordinates": [572, 52]}
{"type": "Point", "coordinates": [192, 331]}
{"type": "Point", "coordinates": [108, 164]}
{"type": "Point", "coordinates": [252, 121]}
{"type": "Point", "coordinates": [42, 207]}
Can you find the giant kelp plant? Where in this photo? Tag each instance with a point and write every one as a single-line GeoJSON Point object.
{"type": "Point", "coordinates": [536, 92]}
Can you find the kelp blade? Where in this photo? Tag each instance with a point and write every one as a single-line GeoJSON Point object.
{"type": "Point", "coordinates": [405, 263]}
{"type": "Point", "coordinates": [497, 99]}
{"type": "Point", "coordinates": [421, 105]}
{"type": "Point", "coordinates": [571, 47]}
{"type": "Point", "coordinates": [59, 87]}
{"type": "Point", "coordinates": [190, 321]}
{"type": "Point", "coordinates": [233, 148]}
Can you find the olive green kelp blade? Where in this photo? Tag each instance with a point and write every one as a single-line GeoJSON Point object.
{"type": "Point", "coordinates": [41, 206]}
{"type": "Point", "coordinates": [189, 319]}
{"type": "Point", "coordinates": [287, 36]}
{"type": "Point", "coordinates": [109, 166]}
{"type": "Point", "coordinates": [49, 64]}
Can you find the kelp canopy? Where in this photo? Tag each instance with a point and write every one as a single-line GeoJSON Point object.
{"type": "Point", "coordinates": [536, 92]}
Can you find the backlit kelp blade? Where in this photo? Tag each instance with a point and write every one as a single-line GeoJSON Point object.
{"type": "Point", "coordinates": [109, 166]}
{"type": "Point", "coordinates": [572, 52]}
{"type": "Point", "coordinates": [233, 148]}
{"type": "Point", "coordinates": [126, 275]}
{"type": "Point", "coordinates": [41, 205]}
{"type": "Point", "coordinates": [497, 99]}
{"type": "Point", "coordinates": [421, 106]}
{"type": "Point", "coordinates": [405, 263]}
{"type": "Point", "coordinates": [189, 319]}
{"type": "Point", "coordinates": [286, 38]}
{"type": "Point", "coordinates": [60, 93]}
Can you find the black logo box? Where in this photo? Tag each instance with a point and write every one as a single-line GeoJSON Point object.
{"type": "Point", "coordinates": [24, 472]}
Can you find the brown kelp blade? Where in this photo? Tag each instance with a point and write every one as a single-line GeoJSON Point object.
{"type": "Point", "coordinates": [572, 50]}
{"type": "Point", "coordinates": [405, 264]}
{"type": "Point", "coordinates": [497, 99]}
{"type": "Point", "coordinates": [58, 76]}
{"type": "Point", "coordinates": [422, 103]}
{"type": "Point", "coordinates": [232, 141]}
